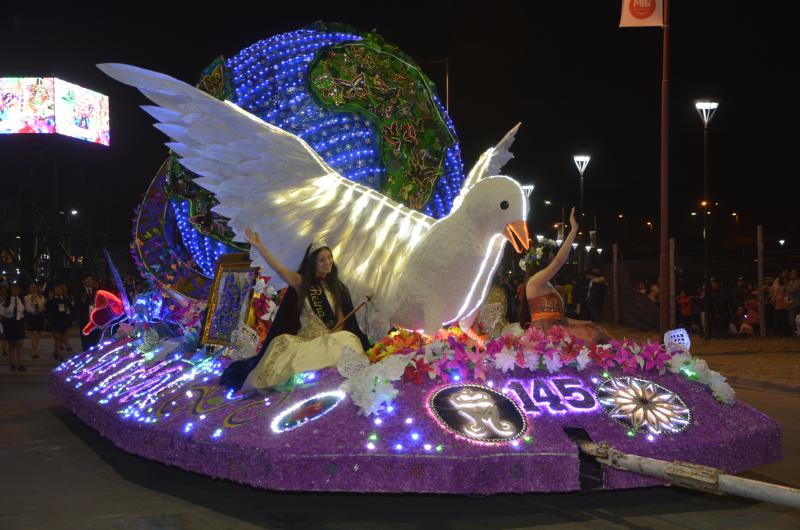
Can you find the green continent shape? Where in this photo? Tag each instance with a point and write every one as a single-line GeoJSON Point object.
{"type": "Point", "coordinates": [375, 80]}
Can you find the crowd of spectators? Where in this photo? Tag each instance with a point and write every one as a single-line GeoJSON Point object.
{"type": "Point", "coordinates": [733, 309]}
{"type": "Point", "coordinates": [46, 309]}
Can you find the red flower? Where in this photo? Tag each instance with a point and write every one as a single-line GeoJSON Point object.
{"type": "Point", "coordinates": [601, 356]}
{"type": "Point", "coordinates": [415, 373]}
{"type": "Point", "coordinates": [571, 351]}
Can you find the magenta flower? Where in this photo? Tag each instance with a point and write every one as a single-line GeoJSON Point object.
{"type": "Point", "coordinates": [459, 352]}
{"type": "Point", "coordinates": [534, 333]}
{"type": "Point", "coordinates": [654, 355]}
{"type": "Point", "coordinates": [629, 365]}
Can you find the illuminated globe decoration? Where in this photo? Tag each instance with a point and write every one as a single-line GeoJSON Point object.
{"type": "Point", "coordinates": [205, 250]}
{"type": "Point", "coordinates": [272, 79]}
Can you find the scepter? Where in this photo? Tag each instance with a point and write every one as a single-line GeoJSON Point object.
{"type": "Point", "coordinates": [341, 324]}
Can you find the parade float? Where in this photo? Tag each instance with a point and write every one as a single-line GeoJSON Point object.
{"type": "Point", "coordinates": [361, 152]}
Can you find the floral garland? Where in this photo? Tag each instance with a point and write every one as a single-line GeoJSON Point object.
{"type": "Point", "coordinates": [537, 350]}
{"type": "Point", "coordinates": [452, 356]}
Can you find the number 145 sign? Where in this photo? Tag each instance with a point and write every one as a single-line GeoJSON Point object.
{"type": "Point", "coordinates": [556, 395]}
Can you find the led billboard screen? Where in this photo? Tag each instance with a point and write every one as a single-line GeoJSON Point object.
{"type": "Point", "coordinates": [46, 105]}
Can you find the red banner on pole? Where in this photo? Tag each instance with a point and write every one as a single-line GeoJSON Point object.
{"type": "Point", "coordinates": [641, 13]}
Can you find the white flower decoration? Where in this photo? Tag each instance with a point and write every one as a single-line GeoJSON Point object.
{"type": "Point", "coordinates": [583, 359]}
{"type": "Point", "coordinates": [531, 360]}
{"type": "Point", "coordinates": [370, 385]}
{"type": "Point", "coordinates": [678, 360]}
{"type": "Point", "coordinates": [700, 367]}
{"type": "Point", "coordinates": [260, 286]}
{"type": "Point", "coordinates": [553, 363]}
{"type": "Point", "coordinates": [723, 392]}
{"type": "Point", "coordinates": [505, 359]}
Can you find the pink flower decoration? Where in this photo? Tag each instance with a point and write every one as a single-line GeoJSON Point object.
{"type": "Point", "coordinates": [654, 355]}
{"type": "Point", "coordinates": [478, 371]}
{"type": "Point", "coordinates": [534, 333]}
{"type": "Point", "coordinates": [556, 334]}
{"type": "Point", "coordinates": [627, 361]}
{"type": "Point", "coordinates": [458, 349]}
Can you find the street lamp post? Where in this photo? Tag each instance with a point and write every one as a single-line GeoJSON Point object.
{"type": "Point", "coordinates": [706, 110]}
{"type": "Point", "coordinates": [581, 161]}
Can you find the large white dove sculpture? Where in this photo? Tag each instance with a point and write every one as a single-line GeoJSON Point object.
{"type": "Point", "coordinates": [420, 273]}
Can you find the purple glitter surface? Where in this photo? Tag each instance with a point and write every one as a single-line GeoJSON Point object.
{"type": "Point", "coordinates": [194, 425]}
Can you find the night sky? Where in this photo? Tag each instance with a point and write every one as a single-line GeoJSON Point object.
{"type": "Point", "coordinates": [575, 80]}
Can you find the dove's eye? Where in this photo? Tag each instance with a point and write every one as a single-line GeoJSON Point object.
{"type": "Point", "coordinates": [504, 205]}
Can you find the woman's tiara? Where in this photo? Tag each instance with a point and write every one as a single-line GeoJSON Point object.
{"type": "Point", "coordinates": [316, 245]}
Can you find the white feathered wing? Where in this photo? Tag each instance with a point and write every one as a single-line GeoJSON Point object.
{"type": "Point", "coordinates": [272, 181]}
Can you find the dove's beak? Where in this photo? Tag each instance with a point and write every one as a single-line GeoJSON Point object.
{"type": "Point", "coordinates": [517, 233]}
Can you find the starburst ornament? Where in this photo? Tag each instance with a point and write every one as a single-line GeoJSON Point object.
{"type": "Point", "coordinates": [643, 405]}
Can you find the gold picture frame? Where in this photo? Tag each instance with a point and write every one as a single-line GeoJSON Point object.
{"type": "Point", "coordinates": [230, 299]}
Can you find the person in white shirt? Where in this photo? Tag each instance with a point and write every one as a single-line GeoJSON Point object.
{"type": "Point", "coordinates": [13, 313]}
{"type": "Point", "coordinates": [35, 306]}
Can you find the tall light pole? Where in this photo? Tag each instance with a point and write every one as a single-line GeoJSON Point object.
{"type": "Point", "coordinates": [581, 161]}
{"type": "Point", "coordinates": [706, 110]}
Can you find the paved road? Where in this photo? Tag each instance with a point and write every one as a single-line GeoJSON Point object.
{"type": "Point", "coordinates": [56, 473]}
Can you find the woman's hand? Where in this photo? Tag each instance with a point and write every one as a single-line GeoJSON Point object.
{"type": "Point", "coordinates": [253, 238]}
{"type": "Point", "coordinates": [573, 223]}
{"type": "Point", "coordinates": [292, 278]}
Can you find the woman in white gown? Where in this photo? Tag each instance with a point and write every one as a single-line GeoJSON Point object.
{"type": "Point", "coordinates": [309, 331]}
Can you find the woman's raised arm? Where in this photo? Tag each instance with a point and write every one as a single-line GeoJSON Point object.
{"type": "Point", "coordinates": [289, 276]}
{"type": "Point", "coordinates": [547, 274]}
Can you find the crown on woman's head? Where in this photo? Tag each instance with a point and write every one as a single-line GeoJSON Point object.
{"type": "Point", "coordinates": [316, 245]}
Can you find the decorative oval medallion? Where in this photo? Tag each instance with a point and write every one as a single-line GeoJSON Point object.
{"type": "Point", "coordinates": [477, 413]}
{"type": "Point", "coordinates": [307, 410]}
{"type": "Point", "coordinates": [643, 405]}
